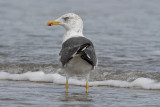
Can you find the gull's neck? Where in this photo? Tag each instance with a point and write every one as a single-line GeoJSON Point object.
{"type": "Point", "coordinates": [72, 33]}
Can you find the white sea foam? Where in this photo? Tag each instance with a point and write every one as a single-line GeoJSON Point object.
{"type": "Point", "coordinates": [143, 83]}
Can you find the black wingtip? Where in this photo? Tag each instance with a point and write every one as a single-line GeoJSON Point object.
{"type": "Point", "coordinates": [86, 58]}
{"type": "Point", "coordinates": [86, 45]}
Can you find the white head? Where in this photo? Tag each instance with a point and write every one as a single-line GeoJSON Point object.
{"type": "Point", "coordinates": [70, 21]}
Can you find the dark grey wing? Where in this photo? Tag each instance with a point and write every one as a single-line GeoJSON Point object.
{"type": "Point", "coordinates": [89, 55]}
{"type": "Point", "coordinates": [78, 45]}
{"type": "Point", "coordinates": [67, 54]}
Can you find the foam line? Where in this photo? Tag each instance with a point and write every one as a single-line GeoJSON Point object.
{"type": "Point", "coordinates": [40, 76]}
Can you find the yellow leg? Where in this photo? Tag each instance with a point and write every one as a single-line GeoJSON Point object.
{"type": "Point", "coordinates": [87, 87]}
{"type": "Point", "coordinates": [66, 86]}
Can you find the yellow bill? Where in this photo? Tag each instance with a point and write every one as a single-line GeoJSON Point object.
{"type": "Point", "coordinates": [53, 22]}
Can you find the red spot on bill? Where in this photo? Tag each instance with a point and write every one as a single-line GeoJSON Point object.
{"type": "Point", "coordinates": [50, 24]}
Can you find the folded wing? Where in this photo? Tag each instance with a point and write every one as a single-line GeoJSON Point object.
{"type": "Point", "coordinates": [78, 46]}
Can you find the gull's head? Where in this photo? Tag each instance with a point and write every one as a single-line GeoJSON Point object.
{"type": "Point", "coordinates": [69, 21]}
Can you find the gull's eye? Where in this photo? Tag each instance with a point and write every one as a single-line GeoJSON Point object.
{"type": "Point", "coordinates": [66, 18]}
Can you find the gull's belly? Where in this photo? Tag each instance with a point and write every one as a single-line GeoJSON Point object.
{"type": "Point", "coordinates": [78, 67]}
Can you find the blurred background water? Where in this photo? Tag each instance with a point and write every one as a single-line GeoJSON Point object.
{"type": "Point", "coordinates": [125, 33]}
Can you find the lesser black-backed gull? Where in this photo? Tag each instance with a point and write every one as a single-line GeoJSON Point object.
{"type": "Point", "coordinates": [77, 55]}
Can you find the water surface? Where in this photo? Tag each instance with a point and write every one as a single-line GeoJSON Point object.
{"type": "Point", "coordinates": [126, 36]}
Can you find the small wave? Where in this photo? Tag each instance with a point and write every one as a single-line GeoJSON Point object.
{"type": "Point", "coordinates": [40, 76]}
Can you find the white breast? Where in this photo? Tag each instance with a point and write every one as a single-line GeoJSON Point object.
{"type": "Point", "coordinates": [78, 67]}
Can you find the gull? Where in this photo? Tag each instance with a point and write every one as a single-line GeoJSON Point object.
{"type": "Point", "coordinates": [77, 54]}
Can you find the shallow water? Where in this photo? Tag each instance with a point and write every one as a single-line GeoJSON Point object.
{"type": "Point", "coordinates": [14, 93]}
{"type": "Point", "coordinates": [126, 36]}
